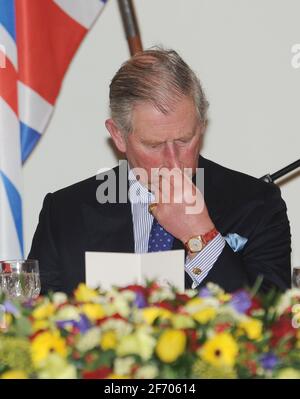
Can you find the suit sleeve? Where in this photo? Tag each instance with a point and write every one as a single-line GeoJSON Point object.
{"type": "Point", "coordinates": [45, 251]}
{"type": "Point", "coordinates": [266, 254]}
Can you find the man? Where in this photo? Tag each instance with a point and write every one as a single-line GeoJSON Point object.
{"type": "Point", "coordinates": [158, 116]}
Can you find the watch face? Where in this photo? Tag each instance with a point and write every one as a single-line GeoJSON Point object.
{"type": "Point", "coordinates": [195, 244]}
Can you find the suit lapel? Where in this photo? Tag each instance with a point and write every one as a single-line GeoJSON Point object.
{"type": "Point", "coordinates": [215, 205]}
{"type": "Point", "coordinates": [108, 226]}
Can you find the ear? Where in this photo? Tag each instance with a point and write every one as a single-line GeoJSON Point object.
{"type": "Point", "coordinates": [204, 126]}
{"type": "Point", "coordinates": [116, 135]}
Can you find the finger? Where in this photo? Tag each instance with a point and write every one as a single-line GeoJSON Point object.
{"type": "Point", "coordinates": [157, 189]}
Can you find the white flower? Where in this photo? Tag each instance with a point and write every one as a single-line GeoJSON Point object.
{"type": "Point", "coordinates": [138, 343]}
{"type": "Point", "coordinates": [128, 295]}
{"type": "Point", "coordinates": [67, 312]}
{"type": "Point", "coordinates": [215, 289]}
{"type": "Point", "coordinates": [229, 311]}
{"type": "Point", "coordinates": [117, 303]}
{"type": "Point", "coordinates": [56, 367]}
{"type": "Point", "coordinates": [286, 300]}
{"type": "Point", "coordinates": [203, 303]}
{"type": "Point", "coordinates": [89, 340]}
{"type": "Point", "coordinates": [59, 298]}
{"type": "Point", "coordinates": [147, 372]}
{"type": "Point", "coordinates": [190, 293]}
{"type": "Point", "coordinates": [162, 294]}
{"type": "Point", "coordinates": [122, 366]}
{"type": "Point", "coordinates": [120, 327]}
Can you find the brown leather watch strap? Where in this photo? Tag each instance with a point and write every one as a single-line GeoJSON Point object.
{"type": "Point", "coordinates": [207, 237]}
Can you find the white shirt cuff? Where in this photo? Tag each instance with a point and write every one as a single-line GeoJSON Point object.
{"type": "Point", "coordinates": [202, 263]}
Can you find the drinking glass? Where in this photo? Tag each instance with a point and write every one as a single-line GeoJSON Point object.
{"type": "Point", "coordinates": [20, 279]}
{"type": "Point", "coordinates": [296, 277]}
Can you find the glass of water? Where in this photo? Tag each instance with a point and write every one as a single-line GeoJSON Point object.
{"type": "Point", "coordinates": [296, 277]}
{"type": "Point", "coordinates": [20, 279]}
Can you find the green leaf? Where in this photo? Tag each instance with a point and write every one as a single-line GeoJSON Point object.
{"type": "Point", "coordinates": [23, 326]}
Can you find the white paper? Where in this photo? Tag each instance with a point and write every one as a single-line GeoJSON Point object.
{"type": "Point", "coordinates": [107, 269]}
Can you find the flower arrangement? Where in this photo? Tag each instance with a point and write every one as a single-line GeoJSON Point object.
{"type": "Point", "coordinates": [152, 332]}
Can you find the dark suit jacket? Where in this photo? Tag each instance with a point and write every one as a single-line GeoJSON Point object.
{"type": "Point", "coordinates": [72, 222]}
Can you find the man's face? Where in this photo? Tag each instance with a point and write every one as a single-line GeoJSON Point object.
{"type": "Point", "coordinates": [159, 140]}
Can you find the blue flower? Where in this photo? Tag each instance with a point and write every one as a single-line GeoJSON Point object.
{"type": "Point", "coordinates": [11, 308]}
{"type": "Point", "coordinates": [269, 361]}
{"type": "Point", "coordinates": [140, 300]}
{"type": "Point", "coordinates": [204, 293]}
{"type": "Point", "coordinates": [241, 301]}
{"type": "Point", "coordinates": [83, 324]}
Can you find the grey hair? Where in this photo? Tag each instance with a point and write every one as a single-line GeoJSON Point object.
{"type": "Point", "coordinates": [155, 76]}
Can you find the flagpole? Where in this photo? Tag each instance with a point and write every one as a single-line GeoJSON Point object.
{"type": "Point", "coordinates": [130, 26]}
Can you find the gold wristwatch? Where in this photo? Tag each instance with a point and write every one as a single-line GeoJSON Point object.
{"type": "Point", "coordinates": [197, 243]}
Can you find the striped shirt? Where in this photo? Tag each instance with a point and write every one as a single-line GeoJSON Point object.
{"type": "Point", "coordinates": [198, 267]}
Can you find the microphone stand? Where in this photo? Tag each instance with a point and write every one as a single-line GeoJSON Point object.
{"type": "Point", "coordinates": [271, 178]}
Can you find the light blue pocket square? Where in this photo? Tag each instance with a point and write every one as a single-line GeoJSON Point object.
{"type": "Point", "coordinates": [235, 241]}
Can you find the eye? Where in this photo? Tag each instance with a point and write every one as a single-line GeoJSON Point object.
{"type": "Point", "coordinates": [155, 146]}
{"type": "Point", "coordinates": [183, 140]}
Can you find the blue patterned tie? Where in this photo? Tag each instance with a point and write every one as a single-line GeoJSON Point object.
{"type": "Point", "coordinates": [159, 239]}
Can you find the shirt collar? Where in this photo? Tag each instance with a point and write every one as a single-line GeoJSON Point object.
{"type": "Point", "coordinates": [138, 193]}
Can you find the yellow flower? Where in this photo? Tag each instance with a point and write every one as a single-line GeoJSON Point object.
{"type": "Point", "coordinates": [40, 325]}
{"type": "Point", "coordinates": [45, 343]}
{"type": "Point", "coordinates": [117, 377]}
{"type": "Point", "coordinates": [93, 311]}
{"type": "Point", "coordinates": [182, 321]}
{"type": "Point", "coordinates": [252, 328]}
{"type": "Point", "coordinates": [14, 375]}
{"type": "Point", "coordinates": [220, 351]}
{"type": "Point", "coordinates": [151, 313]}
{"type": "Point", "coordinates": [108, 340]}
{"type": "Point", "coordinates": [7, 321]}
{"type": "Point", "coordinates": [224, 297]}
{"type": "Point", "coordinates": [193, 304]}
{"type": "Point", "coordinates": [43, 311]}
{"type": "Point", "coordinates": [84, 294]}
{"type": "Point", "coordinates": [205, 315]}
{"type": "Point", "coordinates": [171, 344]}
{"type": "Point", "coordinates": [289, 374]}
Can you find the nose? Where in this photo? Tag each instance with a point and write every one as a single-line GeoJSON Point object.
{"type": "Point", "coordinates": [171, 156]}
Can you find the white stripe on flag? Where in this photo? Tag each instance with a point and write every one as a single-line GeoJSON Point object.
{"type": "Point", "coordinates": [34, 110]}
{"type": "Point", "coordinates": [10, 148]}
{"type": "Point", "coordinates": [9, 243]}
{"type": "Point", "coordinates": [83, 11]}
{"type": "Point", "coordinates": [10, 166]}
{"type": "Point", "coordinates": [10, 46]}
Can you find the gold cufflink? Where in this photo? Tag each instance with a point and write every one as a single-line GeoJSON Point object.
{"type": "Point", "coordinates": [197, 271]}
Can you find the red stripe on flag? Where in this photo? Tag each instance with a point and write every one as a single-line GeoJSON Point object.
{"type": "Point", "coordinates": [8, 85]}
{"type": "Point", "coordinates": [47, 39]}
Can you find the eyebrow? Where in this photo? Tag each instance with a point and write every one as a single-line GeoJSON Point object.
{"type": "Point", "coordinates": [156, 142]}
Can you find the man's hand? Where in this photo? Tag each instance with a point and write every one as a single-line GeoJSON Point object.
{"type": "Point", "coordinates": [180, 209]}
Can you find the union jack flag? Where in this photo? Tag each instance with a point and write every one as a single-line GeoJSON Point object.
{"type": "Point", "coordinates": [38, 39]}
